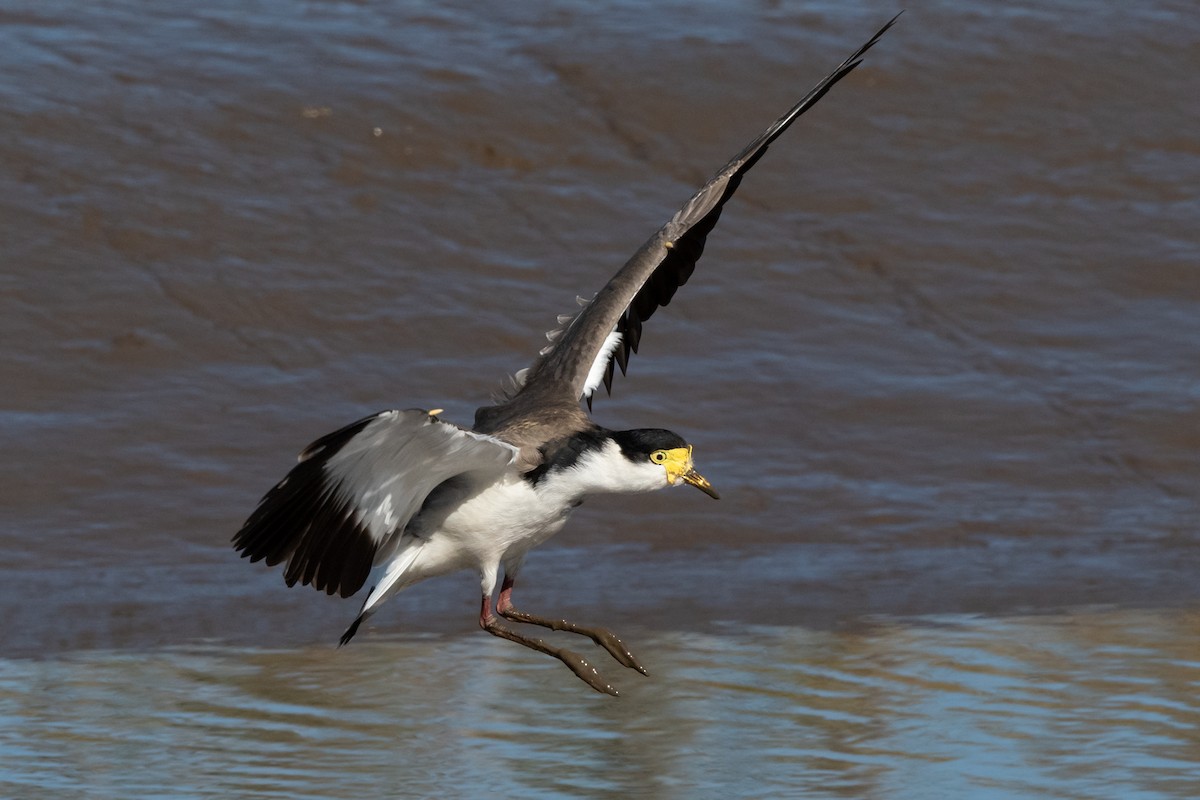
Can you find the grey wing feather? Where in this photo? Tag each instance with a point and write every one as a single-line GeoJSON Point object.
{"type": "Point", "coordinates": [576, 361]}
{"type": "Point", "coordinates": [339, 509]}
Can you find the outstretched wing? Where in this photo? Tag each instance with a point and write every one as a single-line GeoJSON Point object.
{"type": "Point", "coordinates": [609, 328]}
{"type": "Point", "coordinates": [354, 491]}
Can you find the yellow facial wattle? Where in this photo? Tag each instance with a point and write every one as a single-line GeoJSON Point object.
{"type": "Point", "coordinates": [678, 464]}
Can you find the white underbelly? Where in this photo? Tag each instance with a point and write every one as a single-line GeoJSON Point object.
{"type": "Point", "coordinates": [500, 523]}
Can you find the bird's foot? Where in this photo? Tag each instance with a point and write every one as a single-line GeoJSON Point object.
{"type": "Point", "coordinates": [601, 636]}
{"type": "Point", "coordinates": [575, 662]}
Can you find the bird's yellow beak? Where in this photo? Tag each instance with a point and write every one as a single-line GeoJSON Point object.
{"type": "Point", "coordinates": [679, 468]}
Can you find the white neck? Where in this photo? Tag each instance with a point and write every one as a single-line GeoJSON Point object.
{"type": "Point", "coordinates": [603, 471]}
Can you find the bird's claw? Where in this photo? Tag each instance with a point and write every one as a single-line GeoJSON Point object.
{"type": "Point", "coordinates": [617, 649]}
{"type": "Point", "coordinates": [603, 637]}
{"type": "Point", "coordinates": [586, 672]}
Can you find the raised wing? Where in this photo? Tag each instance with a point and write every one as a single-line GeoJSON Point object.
{"type": "Point", "coordinates": [609, 328]}
{"type": "Point", "coordinates": [353, 492]}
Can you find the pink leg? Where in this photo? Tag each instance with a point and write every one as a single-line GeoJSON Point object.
{"type": "Point", "coordinates": [601, 636]}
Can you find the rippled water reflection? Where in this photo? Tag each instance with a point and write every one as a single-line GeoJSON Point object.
{"type": "Point", "coordinates": [1098, 703]}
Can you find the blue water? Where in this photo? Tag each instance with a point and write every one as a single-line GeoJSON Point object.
{"type": "Point", "coordinates": [1096, 703]}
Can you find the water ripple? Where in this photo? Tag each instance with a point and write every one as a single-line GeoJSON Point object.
{"type": "Point", "coordinates": [1093, 703]}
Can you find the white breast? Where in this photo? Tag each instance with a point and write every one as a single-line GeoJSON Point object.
{"type": "Point", "coordinates": [501, 522]}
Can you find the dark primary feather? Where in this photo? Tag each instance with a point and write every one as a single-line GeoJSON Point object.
{"type": "Point", "coordinates": [354, 491]}
{"type": "Point", "coordinates": [649, 279]}
{"type": "Point", "coordinates": [304, 520]}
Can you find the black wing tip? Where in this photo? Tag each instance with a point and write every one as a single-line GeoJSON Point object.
{"type": "Point", "coordinates": [879, 33]}
{"type": "Point", "coordinates": [885, 28]}
{"type": "Point", "coordinates": [874, 39]}
{"type": "Point", "coordinates": [353, 629]}
{"type": "Point", "coordinates": [302, 521]}
{"type": "Point", "coordinates": [856, 58]}
{"type": "Point", "coordinates": [754, 150]}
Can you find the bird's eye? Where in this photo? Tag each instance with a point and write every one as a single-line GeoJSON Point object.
{"type": "Point", "coordinates": [658, 456]}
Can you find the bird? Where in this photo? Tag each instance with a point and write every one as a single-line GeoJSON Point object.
{"type": "Point", "coordinates": [405, 495]}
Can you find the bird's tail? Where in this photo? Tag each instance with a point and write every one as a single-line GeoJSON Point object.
{"type": "Point", "coordinates": [353, 629]}
{"type": "Point", "coordinates": [394, 579]}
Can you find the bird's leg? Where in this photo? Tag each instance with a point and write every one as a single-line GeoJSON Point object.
{"type": "Point", "coordinates": [575, 662]}
{"type": "Point", "coordinates": [601, 636]}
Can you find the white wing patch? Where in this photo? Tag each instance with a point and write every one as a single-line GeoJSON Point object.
{"type": "Point", "coordinates": [386, 511]}
{"type": "Point", "coordinates": [386, 470]}
{"type": "Point", "coordinates": [596, 373]}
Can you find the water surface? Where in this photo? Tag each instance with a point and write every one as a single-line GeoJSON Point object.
{"type": "Point", "coordinates": [1096, 703]}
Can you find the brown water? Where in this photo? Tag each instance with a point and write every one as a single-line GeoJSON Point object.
{"type": "Point", "coordinates": [941, 357]}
